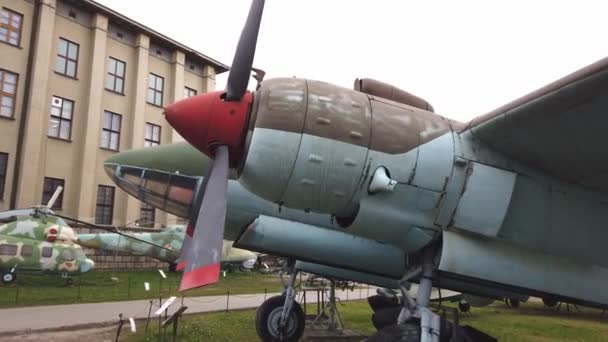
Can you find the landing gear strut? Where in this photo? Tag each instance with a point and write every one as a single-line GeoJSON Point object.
{"type": "Point", "coordinates": [430, 322]}
{"type": "Point", "coordinates": [281, 318]}
{"type": "Point", "coordinates": [416, 322]}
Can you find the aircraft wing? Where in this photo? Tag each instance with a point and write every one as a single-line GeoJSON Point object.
{"type": "Point", "coordinates": [560, 128]}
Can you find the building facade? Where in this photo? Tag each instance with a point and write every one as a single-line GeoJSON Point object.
{"type": "Point", "coordinates": [78, 83]}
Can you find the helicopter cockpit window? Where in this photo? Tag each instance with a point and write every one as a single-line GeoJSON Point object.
{"type": "Point", "coordinates": [46, 252]}
{"type": "Point", "coordinates": [27, 250]}
{"type": "Point", "coordinates": [8, 249]}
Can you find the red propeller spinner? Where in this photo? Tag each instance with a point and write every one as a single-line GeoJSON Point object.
{"type": "Point", "coordinates": [208, 120]}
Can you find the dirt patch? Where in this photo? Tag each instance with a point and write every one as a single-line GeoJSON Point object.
{"type": "Point", "coordinates": [105, 334]}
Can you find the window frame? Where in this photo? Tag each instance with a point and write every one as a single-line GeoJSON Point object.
{"type": "Point", "coordinates": [3, 93]}
{"type": "Point", "coordinates": [55, 183]}
{"type": "Point", "coordinates": [147, 211]}
{"type": "Point", "coordinates": [189, 92]}
{"type": "Point", "coordinates": [44, 252]}
{"type": "Point", "coordinates": [149, 140]}
{"type": "Point", "coordinates": [108, 208]}
{"type": "Point", "coordinates": [10, 28]}
{"type": "Point", "coordinates": [111, 131]}
{"type": "Point", "coordinates": [61, 119]}
{"type": "Point", "coordinates": [13, 247]}
{"type": "Point", "coordinates": [30, 250]}
{"type": "Point", "coordinates": [155, 91]}
{"type": "Point", "coordinates": [3, 173]}
{"type": "Point", "coordinates": [68, 59]}
{"type": "Point", "coordinates": [114, 75]}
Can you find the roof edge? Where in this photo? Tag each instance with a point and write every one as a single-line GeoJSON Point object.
{"type": "Point", "coordinates": [219, 66]}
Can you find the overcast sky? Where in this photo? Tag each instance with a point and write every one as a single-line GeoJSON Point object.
{"type": "Point", "coordinates": [465, 57]}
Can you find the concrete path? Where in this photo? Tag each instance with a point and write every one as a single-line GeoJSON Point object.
{"type": "Point", "coordinates": [60, 316]}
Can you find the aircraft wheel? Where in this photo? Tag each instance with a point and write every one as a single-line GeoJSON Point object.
{"type": "Point", "coordinates": [69, 281]}
{"type": "Point", "coordinates": [550, 302]}
{"type": "Point", "coordinates": [8, 277]}
{"type": "Point", "coordinates": [268, 316]}
{"type": "Point", "coordinates": [514, 303]}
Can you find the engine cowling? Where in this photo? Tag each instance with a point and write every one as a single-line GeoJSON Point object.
{"type": "Point", "coordinates": [307, 144]}
{"type": "Point", "coordinates": [313, 145]}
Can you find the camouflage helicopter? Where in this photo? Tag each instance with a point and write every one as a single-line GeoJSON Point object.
{"type": "Point", "coordinates": [37, 240]}
{"type": "Point", "coordinates": [170, 239]}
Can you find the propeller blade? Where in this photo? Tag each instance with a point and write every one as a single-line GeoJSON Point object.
{"type": "Point", "coordinates": [240, 70]}
{"type": "Point", "coordinates": [187, 243]}
{"type": "Point", "coordinates": [204, 252]}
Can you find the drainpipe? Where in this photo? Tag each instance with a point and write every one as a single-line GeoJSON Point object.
{"type": "Point", "coordinates": [24, 106]}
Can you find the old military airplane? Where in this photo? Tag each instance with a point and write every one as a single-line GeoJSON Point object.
{"type": "Point", "coordinates": [513, 200]}
{"type": "Point", "coordinates": [170, 176]}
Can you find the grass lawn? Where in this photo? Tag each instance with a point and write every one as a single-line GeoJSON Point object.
{"type": "Point", "coordinates": [102, 286]}
{"type": "Point", "coordinates": [531, 322]}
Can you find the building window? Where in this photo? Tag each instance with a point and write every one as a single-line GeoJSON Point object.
{"type": "Point", "coordinates": [152, 135]}
{"type": "Point", "coordinates": [116, 76]}
{"type": "Point", "coordinates": [189, 92]}
{"type": "Point", "coordinates": [46, 252]}
{"type": "Point", "coordinates": [110, 132]}
{"type": "Point", "coordinates": [105, 204]}
{"type": "Point", "coordinates": [27, 250]}
{"type": "Point", "coordinates": [8, 249]}
{"type": "Point", "coordinates": [8, 92]}
{"type": "Point", "coordinates": [10, 26]}
{"type": "Point", "coordinates": [50, 185]}
{"type": "Point", "coordinates": [60, 125]}
{"type": "Point", "coordinates": [155, 90]}
{"type": "Point", "coordinates": [67, 58]}
{"type": "Point", "coordinates": [146, 215]}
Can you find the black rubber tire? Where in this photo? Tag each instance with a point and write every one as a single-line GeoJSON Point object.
{"type": "Point", "coordinates": [550, 302]}
{"type": "Point", "coordinates": [408, 332]}
{"type": "Point", "coordinates": [377, 302]}
{"type": "Point", "coordinates": [8, 277]}
{"type": "Point", "coordinates": [385, 317]}
{"type": "Point", "coordinates": [271, 307]}
{"type": "Point", "coordinates": [464, 306]}
{"type": "Point", "coordinates": [514, 303]}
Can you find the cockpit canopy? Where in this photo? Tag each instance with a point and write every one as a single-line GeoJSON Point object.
{"type": "Point", "coordinates": [171, 192]}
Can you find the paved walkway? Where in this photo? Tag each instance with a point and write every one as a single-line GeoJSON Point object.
{"type": "Point", "coordinates": [58, 316]}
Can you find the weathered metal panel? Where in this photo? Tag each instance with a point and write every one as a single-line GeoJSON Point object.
{"type": "Point", "coordinates": [326, 174]}
{"type": "Point", "coordinates": [403, 217]}
{"type": "Point", "coordinates": [320, 245]}
{"type": "Point", "coordinates": [337, 113]}
{"type": "Point", "coordinates": [395, 128]}
{"type": "Point", "coordinates": [452, 193]}
{"type": "Point", "coordinates": [435, 162]}
{"type": "Point", "coordinates": [270, 161]}
{"type": "Point", "coordinates": [485, 200]}
{"type": "Point", "coordinates": [497, 261]}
